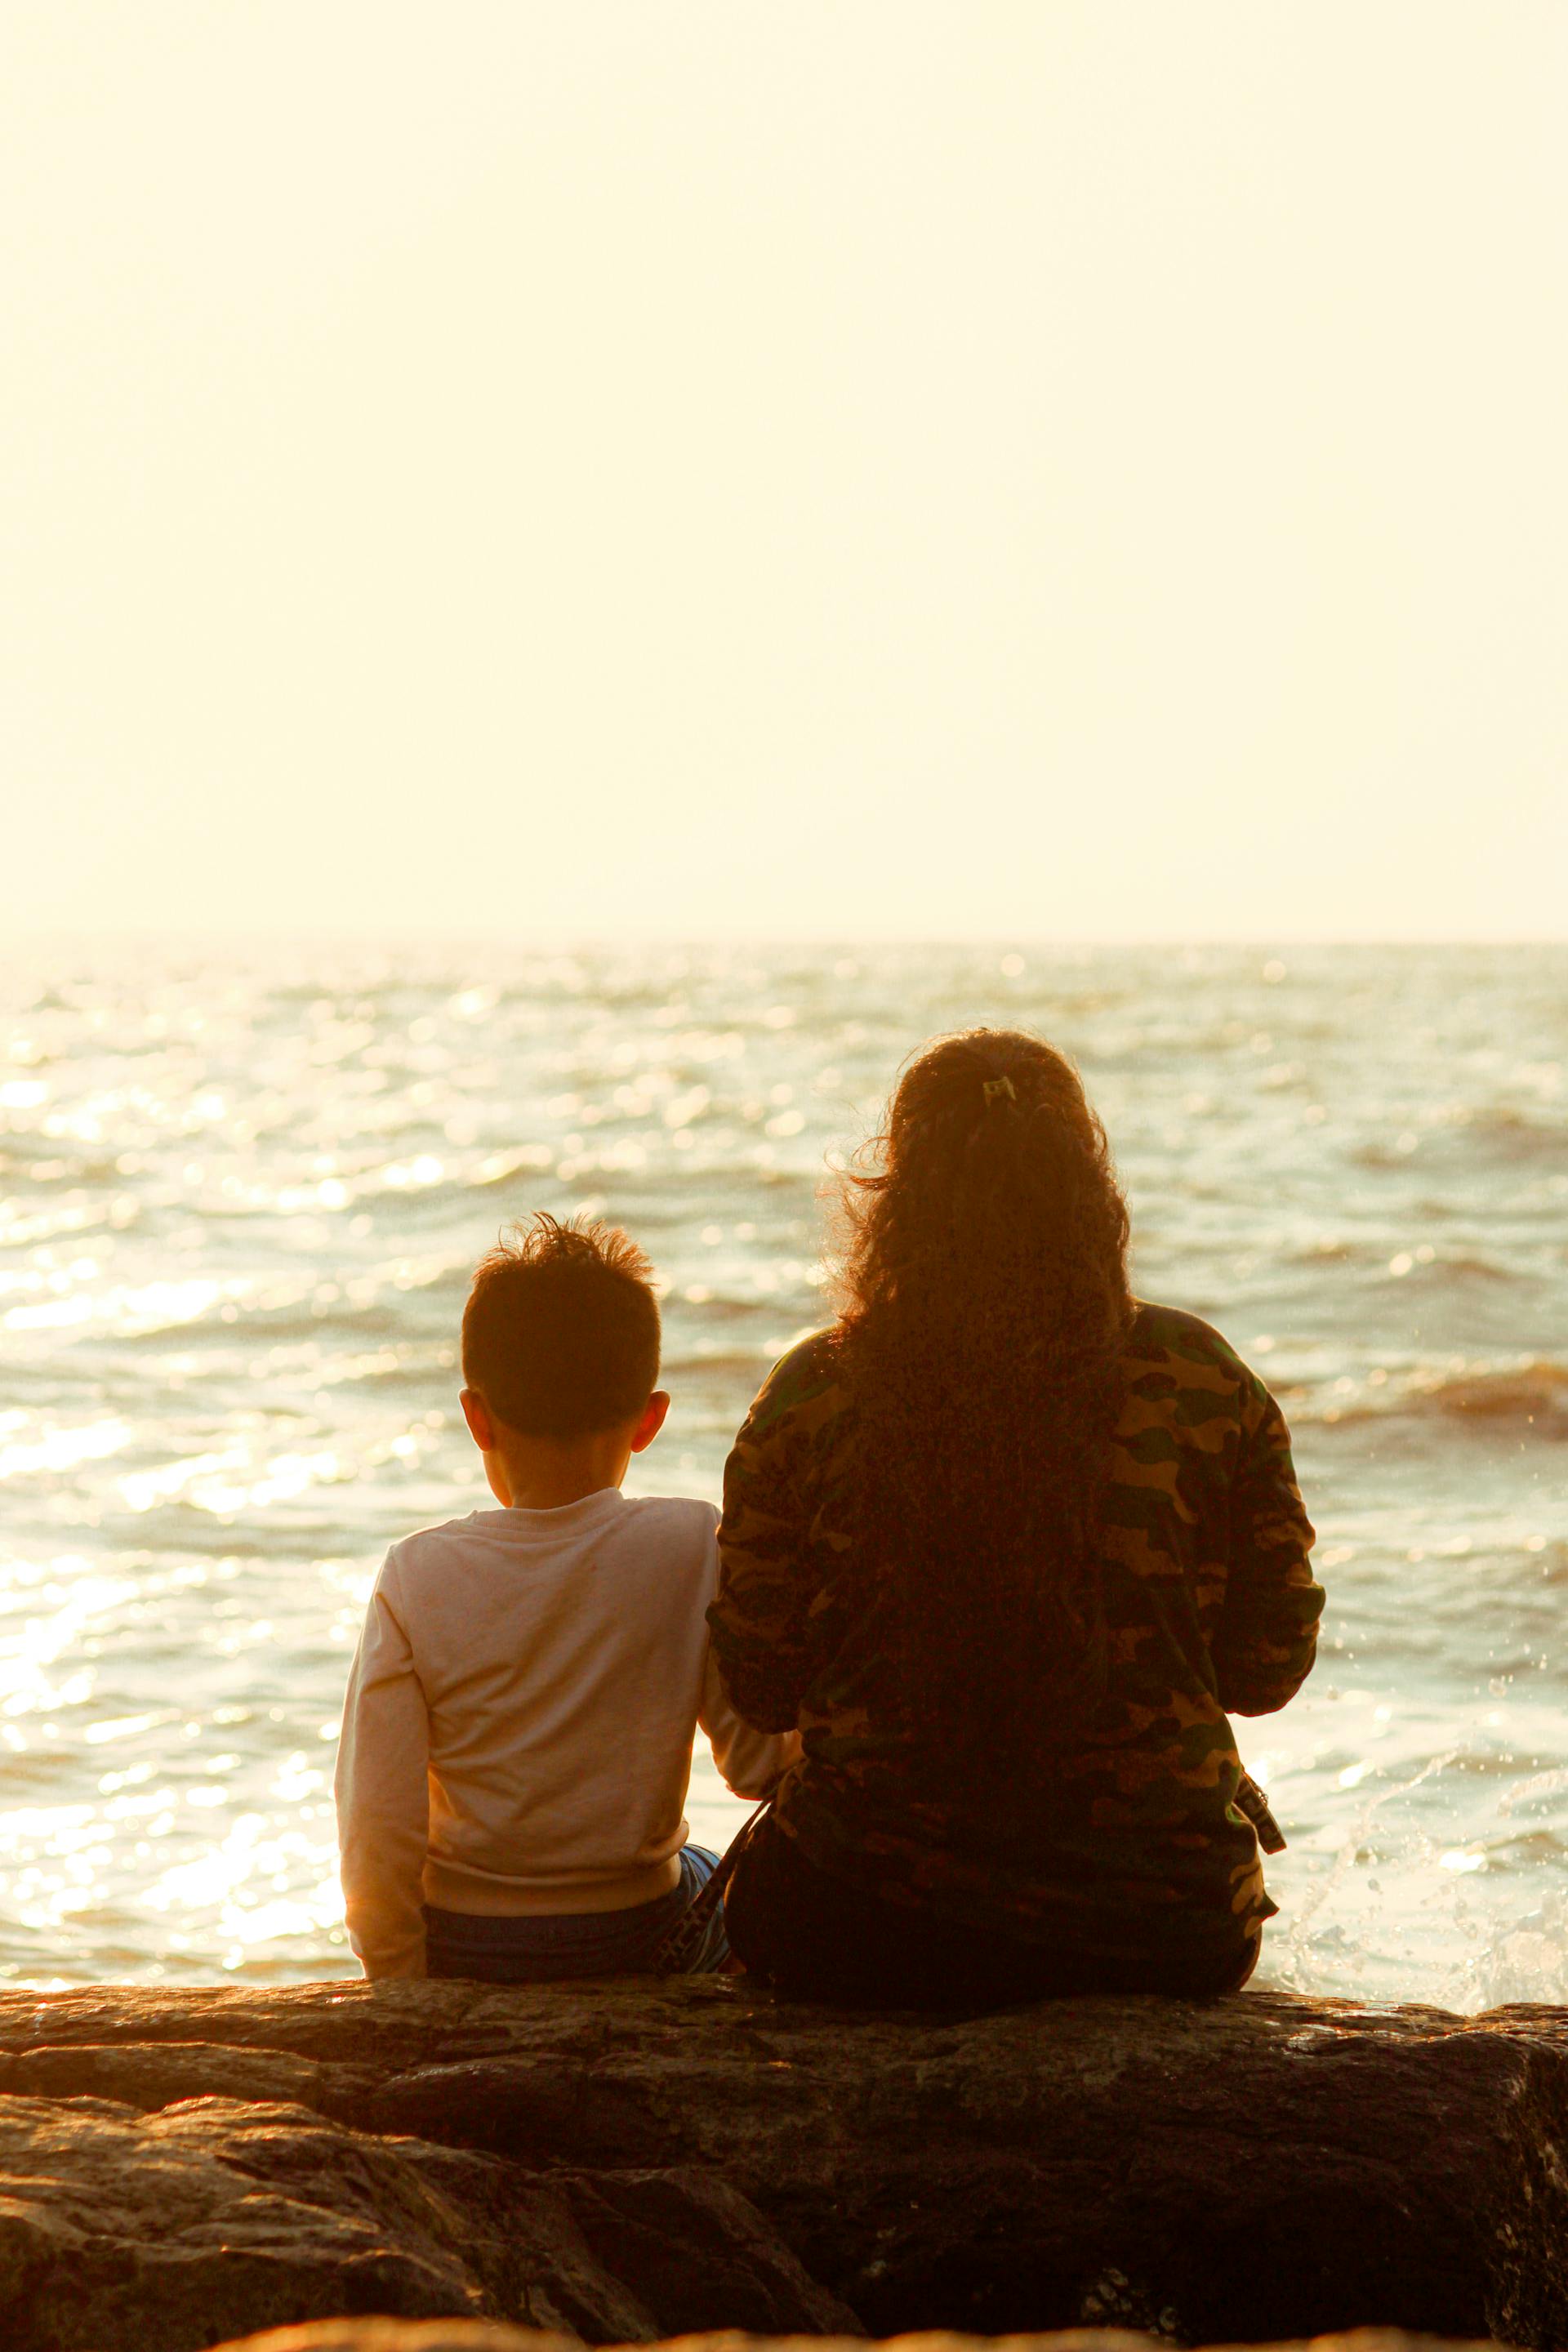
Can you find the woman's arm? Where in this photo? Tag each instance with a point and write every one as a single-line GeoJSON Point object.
{"type": "Point", "coordinates": [1268, 1633]}
{"type": "Point", "coordinates": [750, 1762]}
{"type": "Point", "coordinates": [762, 1623]}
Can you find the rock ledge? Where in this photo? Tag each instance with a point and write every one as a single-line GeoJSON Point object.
{"type": "Point", "coordinates": [623, 2163]}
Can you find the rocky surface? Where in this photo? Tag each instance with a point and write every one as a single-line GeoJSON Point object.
{"type": "Point", "coordinates": [626, 2162]}
{"type": "Point", "coordinates": [120, 2231]}
{"type": "Point", "coordinates": [470, 2335]}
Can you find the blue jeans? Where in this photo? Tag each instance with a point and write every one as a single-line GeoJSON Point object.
{"type": "Point", "coordinates": [547, 1947]}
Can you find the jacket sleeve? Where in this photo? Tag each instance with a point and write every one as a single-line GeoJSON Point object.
{"type": "Point", "coordinates": [1268, 1634]}
{"type": "Point", "coordinates": [761, 1622]}
{"type": "Point", "coordinates": [750, 1762]}
{"type": "Point", "coordinates": [382, 1793]}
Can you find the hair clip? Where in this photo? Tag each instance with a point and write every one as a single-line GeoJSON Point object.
{"type": "Point", "coordinates": [995, 1089]}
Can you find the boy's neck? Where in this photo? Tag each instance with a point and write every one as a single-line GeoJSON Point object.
{"type": "Point", "coordinates": [546, 1473]}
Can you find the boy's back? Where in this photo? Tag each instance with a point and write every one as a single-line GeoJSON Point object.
{"type": "Point", "coordinates": [518, 1728]}
{"type": "Point", "coordinates": [517, 1737]}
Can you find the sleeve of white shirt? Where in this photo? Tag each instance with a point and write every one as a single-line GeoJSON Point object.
{"type": "Point", "coordinates": [750, 1762]}
{"type": "Point", "coordinates": [383, 1792]}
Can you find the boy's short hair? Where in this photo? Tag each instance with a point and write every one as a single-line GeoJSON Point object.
{"type": "Point", "coordinates": [561, 1331]}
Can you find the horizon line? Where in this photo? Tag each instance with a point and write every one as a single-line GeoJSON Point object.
{"type": "Point", "coordinates": [560, 938]}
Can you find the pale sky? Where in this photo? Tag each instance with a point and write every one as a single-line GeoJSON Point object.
{"type": "Point", "coordinates": [1040, 467]}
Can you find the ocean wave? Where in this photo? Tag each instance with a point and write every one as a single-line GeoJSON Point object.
{"type": "Point", "coordinates": [711, 1360]}
{"type": "Point", "coordinates": [1425, 1264]}
{"type": "Point", "coordinates": [1512, 1134]}
{"type": "Point", "coordinates": [1533, 1393]}
{"type": "Point", "coordinates": [1467, 1269]}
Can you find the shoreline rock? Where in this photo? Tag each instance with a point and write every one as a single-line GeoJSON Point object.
{"type": "Point", "coordinates": [631, 2161]}
{"type": "Point", "coordinates": [467, 2336]}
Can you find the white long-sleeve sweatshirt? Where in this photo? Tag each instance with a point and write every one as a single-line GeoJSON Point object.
{"type": "Point", "coordinates": [517, 1734]}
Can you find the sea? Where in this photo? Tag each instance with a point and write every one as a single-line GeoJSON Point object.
{"type": "Point", "coordinates": [241, 1189]}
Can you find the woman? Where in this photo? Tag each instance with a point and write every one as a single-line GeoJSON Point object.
{"type": "Point", "coordinates": [1007, 1545]}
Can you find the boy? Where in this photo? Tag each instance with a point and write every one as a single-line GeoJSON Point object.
{"type": "Point", "coordinates": [516, 1733]}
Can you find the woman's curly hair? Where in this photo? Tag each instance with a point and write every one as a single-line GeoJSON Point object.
{"type": "Point", "coordinates": [985, 1308]}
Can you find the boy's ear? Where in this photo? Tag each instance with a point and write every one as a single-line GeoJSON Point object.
{"type": "Point", "coordinates": [652, 1419]}
{"type": "Point", "coordinates": [477, 1413]}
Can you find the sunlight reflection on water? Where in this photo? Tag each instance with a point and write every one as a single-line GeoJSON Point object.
{"type": "Point", "coordinates": [239, 1198]}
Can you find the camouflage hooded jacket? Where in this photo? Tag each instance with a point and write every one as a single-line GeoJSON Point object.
{"type": "Point", "coordinates": [1134, 1829]}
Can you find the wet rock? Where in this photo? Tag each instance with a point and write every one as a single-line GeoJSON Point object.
{"type": "Point", "coordinates": [1265, 2167]}
{"type": "Point", "coordinates": [151, 2075]}
{"type": "Point", "coordinates": [122, 2231]}
{"type": "Point", "coordinates": [402, 2335]}
{"type": "Point", "coordinates": [463, 2336]}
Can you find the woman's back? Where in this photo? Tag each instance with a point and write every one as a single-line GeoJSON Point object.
{"type": "Point", "coordinates": [1005, 1545]}
{"type": "Point", "coordinates": [1107, 1830]}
